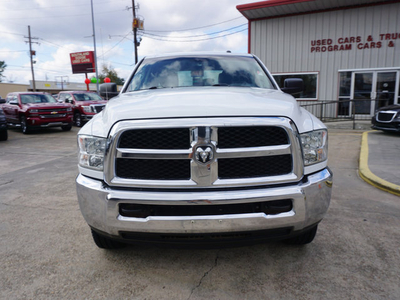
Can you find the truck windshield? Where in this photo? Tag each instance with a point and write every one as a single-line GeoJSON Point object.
{"type": "Point", "coordinates": [236, 71]}
{"type": "Point", "coordinates": [87, 97]}
{"type": "Point", "coordinates": [37, 98]}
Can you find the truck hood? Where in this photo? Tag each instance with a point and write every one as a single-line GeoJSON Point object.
{"type": "Point", "coordinates": [205, 102]}
{"type": "Point", "coordinates": [89, 102]}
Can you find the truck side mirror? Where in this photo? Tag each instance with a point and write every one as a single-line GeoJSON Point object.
{"type": "Point", "coordinates": [293, 86]}
{"type": "Point", "coordinates": [108, 90]}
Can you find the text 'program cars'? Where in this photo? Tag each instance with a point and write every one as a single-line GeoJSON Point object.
{"type": "Point", "coordinates": [203, 149]}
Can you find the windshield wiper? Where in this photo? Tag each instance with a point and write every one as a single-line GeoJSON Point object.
{"type": "Point", "coordinates": [220, 84]}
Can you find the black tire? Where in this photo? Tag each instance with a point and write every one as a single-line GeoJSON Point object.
{"type": "Point", "coordinates": [66, 127]}
{"type": "Point", "coordinates": [24, 126]}
{"type": "Point", "coordinates": [3, 135]}
{"type": "Point", "coordinates": [78, 119]}
{"type": "Point", "coordinates": [106, 243]}
{"type": "Point", "coordinates": [303, 239]}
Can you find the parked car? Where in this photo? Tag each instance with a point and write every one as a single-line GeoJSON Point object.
{"type": "Point", "coordinates": [3, 126]}
{"type": "Point", "coordinates": [84, 104]}
{"type": "Point", "coordinates": [203, 148]}
{"type": "Point", "coordinates": [32, 110]}
{"type": "Point", "coordinates": [387, 118]}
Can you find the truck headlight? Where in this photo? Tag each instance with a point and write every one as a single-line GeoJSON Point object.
{"type": "Point", "coordinates": [87, 109]}
{"type": "Point", "coordinates": [315, 146]}
{"type": "Point", "coordinates": [91, 151]}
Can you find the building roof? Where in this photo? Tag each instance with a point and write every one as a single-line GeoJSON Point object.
{"type": "Point", "coordinates": [280, 8]}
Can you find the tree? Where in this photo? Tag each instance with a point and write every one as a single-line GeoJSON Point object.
{"type": "Point", "coordinates": [110, 73]}
{"type": "Point", "coordinates": [2, 68]}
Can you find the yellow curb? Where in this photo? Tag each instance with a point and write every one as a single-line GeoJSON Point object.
{"type": "Point", "coordinates": [370, 177]}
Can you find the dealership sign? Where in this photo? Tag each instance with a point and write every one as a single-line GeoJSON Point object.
{"type": "Point", "coordinates": [354, 42]}
{"type": "Point", "coordinates": [82, 62]}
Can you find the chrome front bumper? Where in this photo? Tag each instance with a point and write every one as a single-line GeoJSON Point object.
{"type": "Point", "coordinates": [100, 207]}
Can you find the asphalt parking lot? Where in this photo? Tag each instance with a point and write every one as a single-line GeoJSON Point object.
{"type": "Point", "coordinates": [47, 252]}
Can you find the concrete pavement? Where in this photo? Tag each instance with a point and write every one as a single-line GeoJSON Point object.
{"type": "Point", "coordinates": [380, 160]}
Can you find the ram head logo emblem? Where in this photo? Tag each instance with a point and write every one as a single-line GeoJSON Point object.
{"type": "Point", "coordinates": [204, 154]}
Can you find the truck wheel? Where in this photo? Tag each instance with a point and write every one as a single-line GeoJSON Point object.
{"type": "Point", "coordinates": [78, 120]}
{"type": "Point", "coordinates": [303, 239]}
{"type": "Point", "coordinates": [3, 135]}
{"type": "Point", "coordinates": [24, 126]}
{"type": "Point", "coordinates": [66, 127]}
{"type": "Point", "coordinates": [106, 243]}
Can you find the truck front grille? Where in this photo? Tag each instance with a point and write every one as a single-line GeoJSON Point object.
{"type": "Point", "coordinates": [170, 138]}
{"type": "Point", "coordinates": [96, 108]}
{"type": "Point", "coordinates": [204, 153]}
{"type": "Point", "coordinates": [254, 166]}
{"type": "Point", "coordinates": [53, 116]}
{"type": "Point", "coordinates": [49, 110]}
{"type": "Point", "coordinates": [150, 169]}
{"type": "Point", "coordinates": [251, 136]}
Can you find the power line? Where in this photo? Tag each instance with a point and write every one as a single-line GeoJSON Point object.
{"type": "Point", "coordinates": [60, 6]}
{"type": "Point", "coordinates": [189, 29]}
{"type": "Point", "coordinates": [12, 33]}
{"type": "Point", "coordinates": [37, 68]}
{"type": "Point", "coordinates": [54, 44]}
{"type": "Point", "coordinates": [199, 35]}
{"type": "Point", "coordinates": [124, 37]}
{"type": "Point", "coordinates": [198, 40]}
{"type": "Point", "coordinates": [11, 51]}
{"type": "Point", "coordinates": [63, 16]}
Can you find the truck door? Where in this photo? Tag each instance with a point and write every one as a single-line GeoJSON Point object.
{"type": "Point", "coordinates": [13, 106]}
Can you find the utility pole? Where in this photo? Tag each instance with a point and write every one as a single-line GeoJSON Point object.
{"type": "Point", "coordinates": [31, 53]}
{"type": "Point", "coordinates": [134, 30]}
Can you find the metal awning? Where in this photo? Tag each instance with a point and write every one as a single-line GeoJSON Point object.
{"type": "Point", "coordinates": [278, 8]}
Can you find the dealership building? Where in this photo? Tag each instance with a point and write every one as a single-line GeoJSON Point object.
{"type": "Point", "coordinates": [342, 49]}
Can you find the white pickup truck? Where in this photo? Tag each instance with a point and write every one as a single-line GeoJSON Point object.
{"type": "Point", "coordinates": [203, 149]}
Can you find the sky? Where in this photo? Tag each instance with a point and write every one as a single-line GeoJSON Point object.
{"type": "Point", "coordinates": [60, 27]}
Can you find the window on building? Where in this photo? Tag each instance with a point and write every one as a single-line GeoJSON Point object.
{"type": "Point", "coordinates": [310, 84]}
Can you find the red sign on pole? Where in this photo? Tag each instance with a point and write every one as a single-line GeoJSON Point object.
{"type": "Point", "coordinates": [82, 62]}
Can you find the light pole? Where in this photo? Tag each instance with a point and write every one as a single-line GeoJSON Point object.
{"type": "Point", "coordinates": [94, 43]}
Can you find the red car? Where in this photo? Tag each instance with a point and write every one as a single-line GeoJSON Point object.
{"type": "Point", "coordinates": [31, 110]}
{"type": "Point", "coordinates": [84, 104]}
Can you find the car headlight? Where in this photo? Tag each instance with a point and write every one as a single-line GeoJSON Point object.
{"type": "Point", "coordinates": [87, 109]}
{"type": "Point", "coordinates": [33, 111]}
{"type": "Point", "coordinates": [315, 146]}
{"type": "Point", "coordinates": [69, 109]}
{"type": "Point", "coordinates": [91, 151]}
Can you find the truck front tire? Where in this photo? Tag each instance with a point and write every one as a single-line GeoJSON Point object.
{"type": "Point", "coordinates": [24, 125]}
{"type": "Point", "coordinates": [105, 242]}
{"type": "Point", "coordinates": [3, 135]}
{"type": "Point", "coordinates": [304, 238]}
{"type": "Point", "coordinates": [78, 119]}
{"type": "Point", "coordinates": [66, 127]}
